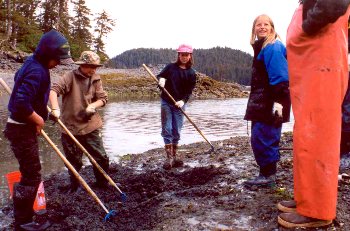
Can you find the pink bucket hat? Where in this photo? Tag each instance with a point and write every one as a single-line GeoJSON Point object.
{"type": "Point", "coordinates": [184, 48]}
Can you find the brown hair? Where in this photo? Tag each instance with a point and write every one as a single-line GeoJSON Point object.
{"type": "Point", "coordinates": [271, 38]}
{"type": "Point", "coordinates": [189, 64]}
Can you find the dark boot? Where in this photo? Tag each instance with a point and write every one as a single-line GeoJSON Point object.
{"type": "Point", "coordinates": [74, 184]}
{"type": "Point", "coordinates": [34, 226]}
{"type": "Point", "coordinates": [261, 181]}
{"type": "Point", "coordinates": [178, 162]}
{"type": "Point", "coordinates": [287, 206]}
{"type": "Point", "coordinates": [295, 220]}
{"type": "Point", "coordinates": [101, 181]}
{"type": "Point", "coordinates": [23, 200]}
{"type": "Point", "coordinates": [169, 162]}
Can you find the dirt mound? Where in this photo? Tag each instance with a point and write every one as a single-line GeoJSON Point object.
{"type": "Point", "coordinates": [206, 194]}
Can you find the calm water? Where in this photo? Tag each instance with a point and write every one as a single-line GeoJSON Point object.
{"type": "Point", "coordinates": [134, 127]}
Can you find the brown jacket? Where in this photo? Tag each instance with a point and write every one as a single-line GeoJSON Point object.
{"type": "Point", "coordinates": [78, 91]}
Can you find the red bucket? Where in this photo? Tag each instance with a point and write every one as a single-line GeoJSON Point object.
{"type": "Point", "coordinates": [12, 178]}
{"type": "Point", "coordinates": [40, 201]}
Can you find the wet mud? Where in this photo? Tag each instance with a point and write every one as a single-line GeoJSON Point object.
{"type": "Point", "coordinates": [205, 194]}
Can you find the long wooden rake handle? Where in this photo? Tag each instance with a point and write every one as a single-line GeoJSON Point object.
{"type": "Point", "coordinates": [93, 161]}
{"type": "Point", "coordinates": [67, 163]}
{"type": "Point", "coordinates": [174, 101]}
{"type": "Point", "coordinates": [76, 174]}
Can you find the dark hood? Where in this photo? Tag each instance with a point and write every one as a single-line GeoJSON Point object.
{"type": "Point", "coordinates": [53, 45]}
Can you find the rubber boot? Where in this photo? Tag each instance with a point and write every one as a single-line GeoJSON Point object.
{"type": "Point", "coordinates": [178, 162]}
{"type": "Point", "coordinates": [261, 181]}
{"type": "Point", "coordinates": [169, 161]}
{"type": "Point", "coordinates": [101, 181]}
{"type": "Point", "coordinates": [34, 226]}
{"type": "Point", "coordinates": [23, 200]}
{"type": "Point", "coordinates": [74, 184]}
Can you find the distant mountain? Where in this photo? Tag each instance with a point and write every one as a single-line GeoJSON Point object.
{"type": "Point", "coordinates": [223, 64]}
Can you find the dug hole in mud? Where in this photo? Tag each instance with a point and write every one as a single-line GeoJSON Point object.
{"type": "Point", "coordinates": [206, 194]}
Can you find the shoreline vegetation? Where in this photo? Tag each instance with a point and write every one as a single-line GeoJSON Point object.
{"type": "Point", "coordinates": [136, 83]}
{"type": "Point", "coordinates": [126, 82]}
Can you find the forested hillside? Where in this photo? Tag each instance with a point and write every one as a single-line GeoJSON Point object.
{"type": "Point", "coordinates": [223, 64]}
{"type": "Point", "coordinates": [23, 22]}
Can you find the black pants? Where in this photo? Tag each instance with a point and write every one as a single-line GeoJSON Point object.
{"type": "Point", "coordinates": [24, 144]}
{"type": "Point", "coordinates": [92, 142]}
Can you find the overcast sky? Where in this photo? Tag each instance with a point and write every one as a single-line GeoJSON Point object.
{"type": "Point", "coordinates": [200, 23]}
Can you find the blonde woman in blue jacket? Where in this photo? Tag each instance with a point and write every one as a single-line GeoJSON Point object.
{"type": "Point", "coordinates": [269, 101]}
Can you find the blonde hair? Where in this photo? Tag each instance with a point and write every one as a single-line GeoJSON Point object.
{"type": "Point", "coordinates": [271, 38]}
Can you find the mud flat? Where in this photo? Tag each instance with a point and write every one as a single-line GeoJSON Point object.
{"type": "Point", "coordinates": [206, 194]}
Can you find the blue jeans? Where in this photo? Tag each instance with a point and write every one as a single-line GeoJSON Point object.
{"type": "Point", "coordinates": [265, 143]}
{"type": "Point", "coordinates": [172, 121]}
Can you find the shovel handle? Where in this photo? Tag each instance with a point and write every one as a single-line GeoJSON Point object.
{"type": "Point", "coordinates": [2, 82]}
{"type": "Point", "coordinates": [64, 159]}
{"type": "Point", "coordinates": [93, 161]}
{"type": "Point", "coordinates": [72, 169]}
{"type": "Point", "coordinates": [183, 112]}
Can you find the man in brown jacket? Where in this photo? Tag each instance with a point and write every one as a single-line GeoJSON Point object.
{"type": "Point", "coordinates": [82, 93]}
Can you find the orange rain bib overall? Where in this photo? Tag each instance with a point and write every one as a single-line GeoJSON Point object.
{"type": "Point", "coordinates": [318, 73]}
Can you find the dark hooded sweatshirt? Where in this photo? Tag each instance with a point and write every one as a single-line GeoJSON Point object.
{"type": "Point", "coordinates": [32, 81]}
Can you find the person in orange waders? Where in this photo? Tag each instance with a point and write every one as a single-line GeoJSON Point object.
{"type": "Point", "coordinates": [318, 71]}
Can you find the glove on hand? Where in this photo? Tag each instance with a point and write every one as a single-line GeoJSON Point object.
{"type": "Point", "coordinates": [180, 103]}
{"type": "Point", "coordinates": [277, 109]}
{"type": "Point", "coordinates": [55, 114]}
{"type": "Point", "coordinates": [161, 82]}
{"type": "Point", "coordinates": [90, 110]}
{"type": "Point", "coordinates": [277, 114]}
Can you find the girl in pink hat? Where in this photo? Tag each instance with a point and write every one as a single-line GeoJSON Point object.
{"type": "Point", "coordinates": [179, 80]}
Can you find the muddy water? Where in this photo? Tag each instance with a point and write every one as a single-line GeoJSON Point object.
{"type": "Point", "coordinates": [134, 127]}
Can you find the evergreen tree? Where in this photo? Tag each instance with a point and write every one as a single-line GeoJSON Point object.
{"type": "Point", "coordinates": [24, 28]}
{"type": "Point", "coordinates": [63, 18]}
{"type": "Point", "coordinates": [80, 28]}
{"type": "Point", "coordinates": [104, 25]}
{"type": "Point", "coordinates": [223, 64]}
{"type": "Point", "coordinates": [49, 16]}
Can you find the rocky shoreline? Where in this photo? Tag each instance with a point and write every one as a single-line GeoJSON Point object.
{"type": "Point", "coordinates": [205, 194]}
{"type": "Point", "coordinates": [136, 83]}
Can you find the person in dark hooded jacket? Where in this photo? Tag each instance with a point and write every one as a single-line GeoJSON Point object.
{"type": "Point", "coordinates": [27, 113]}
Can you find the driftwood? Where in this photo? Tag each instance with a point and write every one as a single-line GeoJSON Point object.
{"type": "Point", "coordinates": [9, 51]}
